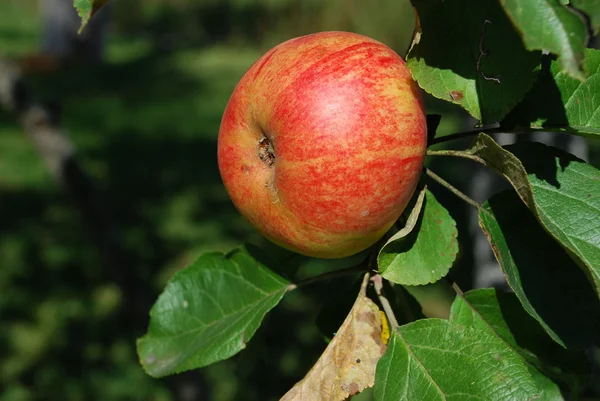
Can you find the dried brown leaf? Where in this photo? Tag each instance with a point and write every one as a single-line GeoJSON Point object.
{"type": "Point", "coordinates": [348, 364]}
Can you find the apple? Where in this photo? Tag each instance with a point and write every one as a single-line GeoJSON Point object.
{"type": "Point", "coordinates": [322, 143]}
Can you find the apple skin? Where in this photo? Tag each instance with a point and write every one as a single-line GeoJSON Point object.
{"type": "Point", "coordinates": [322, 143]}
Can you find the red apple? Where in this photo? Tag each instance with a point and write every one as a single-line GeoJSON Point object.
{"type": "Point", "coordinates": [322, 143]}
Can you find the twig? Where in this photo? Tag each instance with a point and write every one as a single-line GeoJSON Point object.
{"type": "Point", "coordinates": [456, 153]}
{"type": "Point", "coordinates": [492, 131]}
{"type": "Point", "coordinates": [457, 289]}
{"type": "Point", "coordinates": [455, 190]}
{"type": "Point", "coordinates": [387, 308]}
{"type": "Point", "coordinates": [465, 134]}
{"type": "Point", "coordinates": [362, 267]}
{"type": "Point", "coordinates": [483, 53]}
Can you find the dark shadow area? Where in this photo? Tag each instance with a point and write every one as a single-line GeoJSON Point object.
{"type": "Point", "coordinates": [564, 366]}
{"type": "Point", "coordinates": [478, 46]}
{"type": "Point", "coordinates": [556, 287]}
{"type": "Point", "coordinates": [542, 103]}
{"type": "Point", "coordinates": [544, 168]}
{"type": "Point", "coordinates": [455, 173]}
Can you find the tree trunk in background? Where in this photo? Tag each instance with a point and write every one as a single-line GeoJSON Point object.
{"type": "Point", "coordinates": [59, 35]}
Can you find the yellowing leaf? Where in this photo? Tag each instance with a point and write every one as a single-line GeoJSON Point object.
{"type": "Point", "coordinates": [385, 328]}
{"type": "Point", "coordinates": [348, 364]}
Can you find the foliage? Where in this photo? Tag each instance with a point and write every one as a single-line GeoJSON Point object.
{"type": "Point", "coordinates": [138, 132]}
{"type": "Point", "coordinates": [544, 231]}
{"type": "Point", "coordinates": [180, 317]}
{"type": "Point", "coordinates": [144, 124]}
{"type": "Point", "coordinates": [424, 250]}
{"type": "Point", "coordinates": [421, 354]}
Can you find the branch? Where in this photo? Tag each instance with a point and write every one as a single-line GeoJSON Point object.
{"type": "Point", "coordinates": [492, 131]}
{"type": "Point", "coordinates": [362, 267]}
{"type": "Point", "coordinates": [455, 190]}
{"type": "Point", "coordinates": [457, 153]}
{"type": "Point", "coordinates": [38, 123]}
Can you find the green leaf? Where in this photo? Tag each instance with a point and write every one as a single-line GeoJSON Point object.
{"type": "Point", "coordinates": [459, 55]}
{"type": "Point", "coordinates": [559, 102]}
{"type": "Point", "coordinates": [208, 312]}
{"type": "Point", "coordinates": [424, 250]}
{"type": "Point", "coordinates": [567, 198]}
{"type": "Point", "coordinates": [501, 314]}
{"type": "Point", "coordinates": [487, 151]}
{"type": "Point", "coordinates": [592, 9]}
{"type": "Point", "coordinates": [548, 390]}
{"type": "Point", "coordinates": [548, 25]}
{"type": "Point", "coordinates": [86, 9]}
{"type": "Point", "coordinates": [543, 276]}
{"type": "Point", "coordinates": [562, 191]}
{"type": "Point", "coordinates": [420, 356]}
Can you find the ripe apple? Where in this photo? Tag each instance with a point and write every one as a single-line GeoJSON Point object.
{"type": "Point", "coordinates": [322, 143]}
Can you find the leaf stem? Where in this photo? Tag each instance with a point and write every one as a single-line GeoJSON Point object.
{"type": "Point", "coordinates": [454, 190]}
{"type": "Point", "coordinates": [387, 308]}
{"type": "Point", "coordinates": [456, 153]}
{"type": "Point", "coordinates": [361, 267]}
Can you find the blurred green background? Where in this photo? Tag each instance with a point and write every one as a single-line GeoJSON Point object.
{"type": "Point", "coordinates": [145, 124]}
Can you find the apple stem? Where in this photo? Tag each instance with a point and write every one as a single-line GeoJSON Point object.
{"type": "Point", "coordinates": [455, 190]}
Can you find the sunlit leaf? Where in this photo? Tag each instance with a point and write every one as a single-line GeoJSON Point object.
{"type": "Point", "coordinates": [475, 59]}
{"type": "Point", "coordinates": [561, 191]}
{"type": "Point", "coordinates": [208, 312]}
{"type": "Point", "coordinates": [502, 314]}
{"type": "Point", "coordinates": [421, 356]}
{"type": "Point", "coordinates": [560, 102]}
{"type": "Point", "coordinates": [549, 25]}
{"type": "Point", "coordinates": [424, 250]}
{"type": "Point", "coordinates": [592, 9]}
{"type": "Point", "coordinates": [567, 197]}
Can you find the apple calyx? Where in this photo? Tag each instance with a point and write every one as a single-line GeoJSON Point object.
{"type": "Point", "coordinates": [266, 151]}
